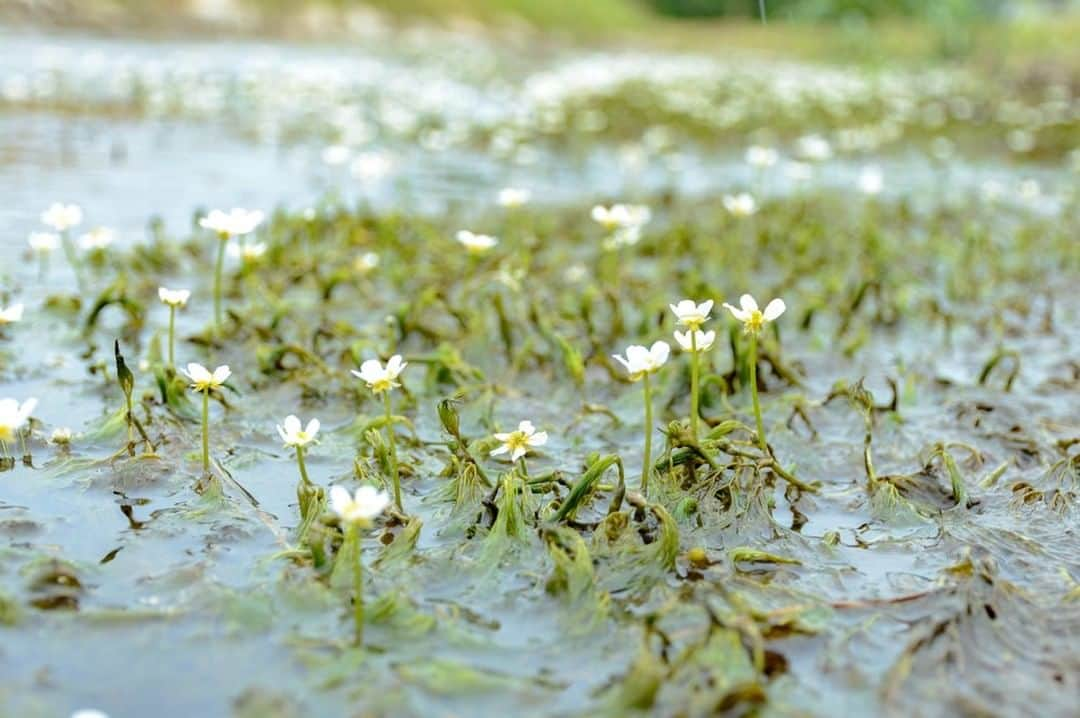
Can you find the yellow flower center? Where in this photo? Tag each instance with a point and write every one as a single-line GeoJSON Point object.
{"type": "Point", "coordinates": [382, 385]}
{"type": "Point", "coordinates": [517, 440]}
{"type": "Point", "coordinates": [7, 433]}
{"type": "Point", "coordinates": [755, 322]}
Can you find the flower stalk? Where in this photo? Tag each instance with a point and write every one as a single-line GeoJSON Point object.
{"type": "Point", "coordinates": [392, 441]}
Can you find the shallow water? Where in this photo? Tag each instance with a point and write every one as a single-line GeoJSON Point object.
{"type": "Point", "coordinates": [183, 607]}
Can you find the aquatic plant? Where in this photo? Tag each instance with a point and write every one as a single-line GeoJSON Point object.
{"type": "Point", "coordinates": [357, 512]}
{"type": "Point", "coordinates": [204, 381]}
{"type": "Point", "coordinates": [754, 321]}
{"type": "Point", "coordinates": [234, 223]}
{"type": "Point", "coordinates": [641, 362]}
{"type": "Point", "coordinates": [174, 299]}
{"type": "Point", "coordinates": [692, 315]}
{"type": "Point", "coordinates": [518, 443]}
{"type": "Point", "coordinates": [381, 380]}
{"type": "Point", "coordinates": [13, 417]}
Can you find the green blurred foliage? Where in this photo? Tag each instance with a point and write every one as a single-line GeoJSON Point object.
{"type": "Point", "coordinates": [933, 10]}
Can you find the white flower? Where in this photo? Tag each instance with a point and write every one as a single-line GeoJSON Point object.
{"type": "Point", "coordinates": [232, 223]}
{"type": "Point", "coordinates": [12, 314]}
{"type": "Point", "coordinates": [203, 380]}
{"type": "Point", "coordinates": [366, 262]}
{"type": "Point", "coordinates": [761, 157]}
{"type": "Point", "coordinates": [621, 216]}
{"type": "Point", "coordinates": [62, 217]}
{"type": "Point", "coordinates": [517, 443]}
{"type": "Point", "coordinates": [380, 378]}
{"type": "Point", "coordinates": [742, 204]}
{"type": "Point", "coordinates": [371, 166]}
{"type": "Point", "coordinates": [61, 436]}
{"type": "Point", "coordinates": [173, 297]}
{"type": "Point", "coordinates": [752, 318]}
{"type": "Point", "coordinates": [296, 436]}
{"type": "Point", "coordinates": [871, 181]}
{"type": "Point", "coordinates": [247, 252]}
{"type": "Point", "coordinates": [476, 243]}
{"type": "Point", "coordinates": [43, 242]}
{"type": "Point", "coordinates": [692, 315]}
{"type": "Point", "coordinates": [366, 504]}
{"type": "Point", "coordinates": [514, 197]}
{"type": "Point", "coordinates": [703, 340]}
{"type": "Point", "coordinates": [13, 416]}
{"type": "Point", "coordinates": [97, 238]}
{"type": "Point", "coordinates": [89, 713]}
{"type": "Point", "coordinates": [640, 361]}
{"type": "Point", "coordinates": [814, 148]}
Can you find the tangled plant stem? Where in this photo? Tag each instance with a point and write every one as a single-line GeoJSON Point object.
{"type": "Point", "coordinates": [646, 390]}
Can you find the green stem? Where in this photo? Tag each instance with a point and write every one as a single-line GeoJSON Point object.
{"type": "Point", "coordinates": [3, 449]}
{"type": "Point", "coordinates": [754, 394]}
{"type": "Point", "coordinates": [647, 393]}
{"type": "Point", "coordinates": [72, 258]}
{"type": "Point", "coordinates": [130, 424]}
{"type": "Point", "coordinates": [303, 467]}
{"type": "Point", "coordinates": [693, 385]}
{"type": "Point", "coordinates": [206, 431]}
{"type": "Point", "coordinates": [172, 331]}
{"type": "Point", "coordinates": [358, 582]}
{"type": "Point", "coordinates": [393, 451]}
{"type": "Point", "coordinates": [218, 269]}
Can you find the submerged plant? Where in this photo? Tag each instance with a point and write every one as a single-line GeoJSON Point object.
{"type": "Point", "coordinates": [174, 299]}
{"type": "Point", "coordinates": [640, 363]}
{"type": "Point", "coordinates": [356, 512]}
{"type": "Point", "coordinates": [691, 315]}
{"type": "Point", "coordinates": [519, 443]}
{"type": "Point", "coordinates": [754, 320]}
{"type": "Point", "coordinates": [381, 379]}
{"type": "Point", "coordinates": [235, 223]}
{"type": "Point", "coordinates": [205, 381]}
{"type": "Point", "coordinates": [13, 417]}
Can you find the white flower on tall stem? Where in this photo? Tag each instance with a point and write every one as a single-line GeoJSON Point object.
{"type": "Point", "coordinates": [513, 197]}
{"type": "Point", "coordinates": [754, 319]}
{"type": "Point", "coordinates": [640, 362]}
{"type": "Point", "coordinates": [61, 436]}
{"type": "Point", "coordinates": [381, 379]}
{"type": "Point", "coordinates": [690, 314]}
{"type": "Point", "coordinates": [699, 342]}
{"type": "Point", "coordinates": [97, 239]}
{"type": "Point", "coordinates": [62, 217]}
{"type": "Point", "coordinates": [203, 380]}
{"type": "Point", "coordinates": [234, 223]}
{"type": "Point", "coordinates": [476, 243]}
{"type": "Point", "coordinates": [173, 299]}
{"type": "Point", "coordinates": [742, 204]}
{"type": "Point", "coordinates": [356, 511]}
{"type": "Point", "coordinates": [520, 442]}
{"type": "Point", "coordinates": [294, 434]}
{"type": "Point", "coordinates": [12, 314]}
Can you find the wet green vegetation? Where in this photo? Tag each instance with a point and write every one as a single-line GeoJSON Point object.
{"type": "Point", "coordinates": [861, 501]}
{"type": "Point", "coordinates": [906, 535]}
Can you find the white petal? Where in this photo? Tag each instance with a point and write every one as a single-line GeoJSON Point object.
{"type": "Point", "coordinates": [198, 373]}
{"type": "Point", "coordinates": [339, 499]}
{"type": "Point", "coordinates": [27, 409]}
{"type": "Point", "coordinates": [660, 352]}
{"type": "Point", "coordinates": [292, 424]}
{"type": "Point", "coordinates": [775, 308]}
{"type": "Point", "coordinates": [518, 453]}
{"type": "Point", "coordinates": [526, 427]}
{"type": "Point", "coordinates": [736, 312]}
{"type": "Point", "coordinates": [221, 374]}
{"type": "Point", "coordinates": [748, 303]}
{"type": "Point", "coordinates": [705, 307]}
{"type": "Point", "coordinates": [500, 450]}
{"type": "Point", "coordinates": [312, 428]}
{"type": "Point", "coordinates": [538, 439]}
